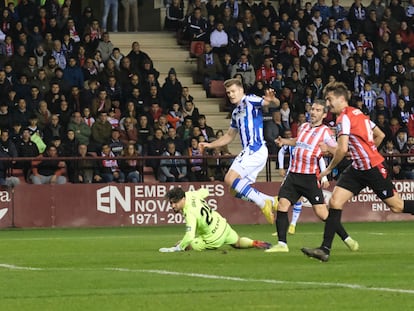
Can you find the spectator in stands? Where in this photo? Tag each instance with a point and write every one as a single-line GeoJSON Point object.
{"type": "Point", "coordinates": [196, 167]}
{"type": "Point", "coordinates": [184, 131]}
{"type": "Point", "coordinates": [26, 148]}
{"type": "Point", "coordinates": [101, 132]}
{"type": "Point", "coordinates": [156, 147]}
{"type": "Point", "coordinates": [162, 124]}
{"type": "Point", "coordinates": [180, 144]}
{"type": "Point", "coordinates": [115, 143]}
{"type": "Point", "coordinates": [145, 133]}
{"type": "Point", "coordinates": [5, 116]}
{"type": "Point", "coordinates": [131, 167]}
{"type": "Point", "coordinates": [206, 131]}
{"type": "Point", "coordinates": [246, 70]}
{"type": "Point", "coordinates": [378, 7]}
{"type": "Point", "coordinates": [53, 129]}
{"type": "Point", "coordinates": [219, 39]}
{"type": "Point", "coordinates": [100, 104]}
{"type": "Point", "coordinates": [175, 116]}
{"type": "Point", "coordinates": [272, 130]}
{"type": "Point", "coordinates": [172, 169]}
{"type": "Point", "coordinates": [190, 110]}
{"type": "Point", "coordinates": [42, 82]}
{"type": "Point", "coordinates": [50, 68]}
{"type": "Point", "coordinates": [53, 97]}
{"type": "Point", "coordinates": [171, 89]}
{"type": "Point", "coordinates": [266, 73]}
{"type": "Point", "coordinates": [42, 114]}
{"type": "Point", "coordinates": [208, 68]}
{"type": "Point", "coordinates": [65, 114]}
{"type": "Point", "coordinates": [108, 169]}
{"type": "Point", "coordinates": [129, 135]}
{"type": "Point", "coordinates": [400, 142]}
{"type": "Point", "coordinates": [70, 149]}
{"type": "Point", "coordinates": [73, 73]}
{"type": "Point", "coordinates": [79, 127]}
{"type": "Point", "coordinates": [21, 114]}
{"type": "Point", "coordinates": [48, 171]}
{"type": "Point", "coordinates": [89, 70]}
{"type": "Point", "coordinates": [196, 27]}
{"type": "Point", "coordinates": [174, 16]}
{"type": "Point", "coordinates": [137, 57]}
{"type": "Point", "coordinates": [185, 95]}
{"type": "Point", "coordinates": [154, 113]}
{"type": "Point", "coordinates": [83, 170]}
{"type": "Point", "coordinates": [64, 85]}
{"type": "Point", "coordinates": [389, 96]}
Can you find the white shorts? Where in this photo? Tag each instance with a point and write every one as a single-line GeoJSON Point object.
{"type": "Point", "coordinates": [248, 164]}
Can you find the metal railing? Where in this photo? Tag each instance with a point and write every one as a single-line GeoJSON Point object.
{"type": "Point", "coordinates": [12, 162]}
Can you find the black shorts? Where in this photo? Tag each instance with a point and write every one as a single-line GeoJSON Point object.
{"type": "Point", "coordinates": [377, 178]}
{"type": "Point", "coordinates": [297, 185]}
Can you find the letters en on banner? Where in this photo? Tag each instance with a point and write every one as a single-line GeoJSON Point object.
{"type": "Point", "coordinates": [92, 205]}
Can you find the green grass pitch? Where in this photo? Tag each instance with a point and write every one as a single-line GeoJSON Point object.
{"type": "Point", "coordinates": [121, 269]}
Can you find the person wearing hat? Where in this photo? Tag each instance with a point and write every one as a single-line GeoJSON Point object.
{"type": "Point", "coordinates": [86, 18]}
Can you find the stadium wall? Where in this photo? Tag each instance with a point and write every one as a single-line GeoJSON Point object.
{"type": "Point", "coordinates": [95, 205]}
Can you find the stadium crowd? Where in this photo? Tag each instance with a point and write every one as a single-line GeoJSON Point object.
{"type": "Point", "coordinates": [297, 50]}
{"type": "Point", "coordinates": [66, 90]}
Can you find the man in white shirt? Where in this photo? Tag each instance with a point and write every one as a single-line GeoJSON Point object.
{"type": "Point", "coordinates": [219, 39]}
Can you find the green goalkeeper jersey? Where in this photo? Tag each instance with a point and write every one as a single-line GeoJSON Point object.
{"type": "Point", "coordinates": [201, 220]}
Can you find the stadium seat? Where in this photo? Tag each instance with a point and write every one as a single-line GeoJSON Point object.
{"type": "Point", "coordinates": [196, 48]}
{"type": "Point", "coordinates": [217, 88]}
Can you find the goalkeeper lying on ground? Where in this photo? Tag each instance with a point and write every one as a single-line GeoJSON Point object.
{"type": "Point", "coordinates": [205, 228]}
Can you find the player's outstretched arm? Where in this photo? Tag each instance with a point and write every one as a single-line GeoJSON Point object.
{"type": "Point", "coordinates": [222, 141]}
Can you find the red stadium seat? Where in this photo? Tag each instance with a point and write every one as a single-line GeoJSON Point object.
{"type": "Point", "coordinates": [196, 48]}
{"type": "Point", "coordinates": [217, 88]}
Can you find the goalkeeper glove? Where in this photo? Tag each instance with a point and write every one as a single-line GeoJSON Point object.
{"type": "Point", "coordinates": [170, 249]}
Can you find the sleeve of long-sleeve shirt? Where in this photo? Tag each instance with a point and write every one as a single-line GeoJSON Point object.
{"type": "Point", "coordinates": [190, 230]}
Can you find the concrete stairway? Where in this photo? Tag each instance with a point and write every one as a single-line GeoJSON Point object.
{"type": "Point", "coordinates": [165, 53]}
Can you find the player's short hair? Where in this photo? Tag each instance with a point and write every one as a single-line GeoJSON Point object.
{"type": "Point", "coordinates": [228, 83]}
{"type": "Point", "coordinates": [322, 103]}
{"type": "Point", "coordinates": [338, 88]}
{"type": "Point", "coordinates": [175, 194]}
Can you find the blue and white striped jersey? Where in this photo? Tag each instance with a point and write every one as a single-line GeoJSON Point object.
{"type": "Point", "coordinates": [247, 118]}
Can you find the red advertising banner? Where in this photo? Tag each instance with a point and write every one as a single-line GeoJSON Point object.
{"type": "Point", "coordinates": [76, 205]}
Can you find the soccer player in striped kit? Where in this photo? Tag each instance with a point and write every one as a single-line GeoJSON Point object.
{"type": "Point", "coordinates": [247, 120]}
{"type": "Point", "coordinates": [359, 136]}
{"type": "Point", "coordinates": [302, 178]}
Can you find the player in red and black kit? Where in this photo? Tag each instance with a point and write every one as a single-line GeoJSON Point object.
{"type": "Point", "coordinates": [360, 136]}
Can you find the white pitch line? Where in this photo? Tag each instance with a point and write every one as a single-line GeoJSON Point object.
{"type": "Point", "coordinates": [221, 277]}
{"type": "Point", "coordinates": [13, 267]}
{"type": "Point", "coordinates": [269, 281]}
